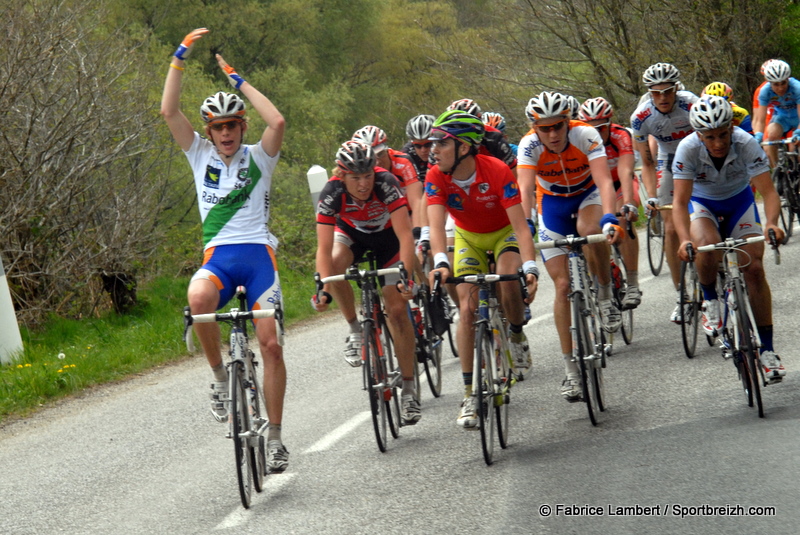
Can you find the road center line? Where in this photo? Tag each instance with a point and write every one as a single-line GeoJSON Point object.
{"type": "Point", "coordinates": [240, 516]}
{"type": "Point", "coordinates": [337, 434]}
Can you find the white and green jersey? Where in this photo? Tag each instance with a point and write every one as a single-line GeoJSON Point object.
{"type": "Point", "coordinates": [233, 201]}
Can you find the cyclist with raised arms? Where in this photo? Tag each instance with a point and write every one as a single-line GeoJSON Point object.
{"type": "Point", "coordinates": [233, 180]}
{"type": "Point", "coordinates": [597, 112]}
{"type": "Point", "coordinates": [482, 195]}
{"type": "Point", "coordinates": [783, 94]}
{"type": "Point", "coordinates": [665, 116]}
{"type": "Point", "coordinates": [563, 164]}
{"type": "Point", "coordinates": [741, 117]}
{"type": "Point", "coordinates": [361, 209]}
{"type": "Point", "coordinates": [713, 171]}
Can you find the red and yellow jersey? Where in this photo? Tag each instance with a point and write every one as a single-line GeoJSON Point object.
{"type": "Point", "coordinates": [567, 173]}
{"type": "Point", "coordinates": [402, 168]}
{"type": "Point", "coordinates": [619, 143]}
{"type": "Point", "coordinates": [479, 204]}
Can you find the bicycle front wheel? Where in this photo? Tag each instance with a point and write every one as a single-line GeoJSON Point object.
{"type": "Point", "coordinates": [376, 382]}
{"type": "Point", "coordinates": [789, 201]}
{"type": "Point", "coordinates": [655, 243]}
{"type": "Point", "coordinates": [583, 351]}
{"type": "Point", "coordinates": [258, 451]}
{"type": "Point", "coordinates": [619, 286]}
{"type": "Point", "coordinates": [748, 345]}
{"type": "Point", "coordinates": [483, 389]}
{"type": "Point", "coordinates": [240, 416]}
{"type": "Point", "coordinates": [690, 292]}
{"type": "Point", "coordinates": [503, 381]}
{"type": "Point", "coordinates": [392, 373]}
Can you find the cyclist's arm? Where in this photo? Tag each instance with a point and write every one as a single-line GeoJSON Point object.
{"type": "Point", "coordinates": [272, 138]}
{"type": "Point", "coordinates": [625, 174]}
{"type": "Point", "coordinates": [759, 117]}
{"type": "Point", "coordinates": [682, 193]}
{"type": "Point", "coordinates": [772, 202]}
{"type": "Point", "coordinates": [605, 184]}
{"type": "Point", "coordinates": [179, 126]}
{"type": "Point", "coordinates": [648, 167]}
{"type": "Point", "coordinates": [437, 217]}
{"type": "Point", "coordinates": [526, 177]}
{"type": "Point", "coordinates": [401, 224]}
{"type": "Point", "coordinates": [414, 196]}
{"type": "Point", "coordinates": [324, 256]}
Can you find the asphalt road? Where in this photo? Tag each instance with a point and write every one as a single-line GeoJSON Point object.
{"type": "Point", "coordinates": [145, 456]}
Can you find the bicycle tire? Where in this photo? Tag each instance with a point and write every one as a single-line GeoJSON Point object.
{"type": "Point", "coordinates": [503, 382]}
{"type": "Point", "coordinates": [788, 201]}
{"type": "Point", "coordinates": [581, 348]}
{"type": "Point", "coordinates": [748, 348]}
{"type": "Point", "coordinates": [375, 379]}
{"type": "Point", "coordinates": [240, 416]}
{"type": "Point", "coordinates": [792, 197]}
{"type": "Point", "coordinates": [599, 360]}
{"type": "Point", "coordinates": [258, 453]}
{"type": "Point", "coordinates": [432, 361]}
{"type": "Point", "coordinates": [390, 397]}
{"type": "Point", "coordinates": [619, 286]}
{"type": "Point", "coordinates": [483, 389]}
{"type": "Point", "coordinates": [655, 243]}
{"type": "Point", "coordinates": [690, 292]}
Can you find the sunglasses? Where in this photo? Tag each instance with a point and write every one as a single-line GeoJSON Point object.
{"type": "Point", "coordinates": [230, 125]}
{"type": "Point", "coordinates": [662, 92]}
{"type": "Point", "coordinates": [601, 126]}
{"type": "Point", "coordinates": [426, 145]}
{"type": "Point", "coordinates": [551, 127]}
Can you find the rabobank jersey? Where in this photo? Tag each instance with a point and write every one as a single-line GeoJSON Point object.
{"type": "Point", "coordinates": [745, 160]}
{"type": "Point", "coordinates": [567, 173]}
{"type": "Point", "coordinates": [668, 128]}
{"type": "Point", "coordinates": [233, 200]}
{"type": "Point", "coordinates": [481, 208]}
{"type": "Point", "coordinates": [785, 104]}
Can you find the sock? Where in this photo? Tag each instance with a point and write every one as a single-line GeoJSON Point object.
{"type": "Point", "coordinates": [408, 387]}
{"type": "Point", "coordinates": [603, 291]}
{"type": "Point", "coordinates": [355, 325]}
{"type": "Point", "coordinates": [220, 373]}
{"type": "Point", "coordinates": [633, 278]}
{"type": "Point", "coordinates": [709, 292]}
{"type": "Point", "coordinates": [467, 383]}
{"type": "Point", "coordinates": [572, 367]}
{"type": "Point", "coordinates": [274, 432]}
{"type": "Point", "coordinates": [765, 333]}
{"type": "Point", "coordinates": [516, 333]}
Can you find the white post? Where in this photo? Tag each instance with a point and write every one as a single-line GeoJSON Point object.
{"type": "Point", "coordinates": [317, 178]}
{"type": "Point", "coordinates": [10, 339]}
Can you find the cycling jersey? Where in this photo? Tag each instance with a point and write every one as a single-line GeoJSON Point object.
{"type": "Point", "coordinates": [481, 207]}
{"type": "Point", "coordinates": [567, 173]}
{"type": "Point", "coordinates": [420, 166]}
{"type": "Point", "coordinates": [785, 104]}
{"type": "Point", "coordinates": [233, 200]}
{"type": "Point", "coordinates": [337, 207]}
{"type": "Point", "coordinates": [494, 144]}
{"type": "Point", "coordinates": [741, 118]}
{"type": "Point", "coordinates": [745, 160]}
{"type": "Point", "coordinates": [403, 168]}
{"type": "Point", "coordinates": [618, 144]}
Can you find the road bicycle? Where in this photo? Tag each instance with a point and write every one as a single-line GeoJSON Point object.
{"type": "Point", "coordinates": [692, 297]}
{"type": "Point", "coordinates": [786, 177]}
{"type": "Point", "coordinates": [429, 343]}
{"type": "Point", "coordinates": [655, 239]}
{"type": "Point", "coordinates": [589, 349]}
{"type": "Point", "coordinates": [619, 287]}
{"type": "Point", "coordinates": [739, 336]}
{"type": "Point", "coordinates": [492, 375]}
{"type": "Point", "coordinates": [381, 377]}
{"type": "Point", "coordinates": [245, 404]}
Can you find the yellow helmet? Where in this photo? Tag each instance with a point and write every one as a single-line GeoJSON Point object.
{"type": "Point", "coordinates": [719, 89]}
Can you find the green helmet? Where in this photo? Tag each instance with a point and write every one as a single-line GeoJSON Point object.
{"type": "Point", "coordinates": [460, 125]}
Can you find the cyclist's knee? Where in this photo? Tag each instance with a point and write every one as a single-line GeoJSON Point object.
{"type": "Point", "coordinates": [203, 296]}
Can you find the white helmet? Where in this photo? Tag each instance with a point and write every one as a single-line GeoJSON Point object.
{"type": "Point", "coordinates": [466, 104]}
{"type": "Point", "coordinates": [221, 106]}
{"type": "Point", "coordinates": [574, 107]}
{"type": "Point", "coordinates": [546, 105]}
{"type": "Point", "coordinates": [710, 112]}
{"type": "Point", "coordinates": [372, 136]}
{"type": "Point", "coordinates": [777, 71]}
{"type": "Point", "coordinates": [661, 73]}
{"type": "Point", "coordinates": [595, 109]}
{"type": "Point", "coordinates": [419, 127]}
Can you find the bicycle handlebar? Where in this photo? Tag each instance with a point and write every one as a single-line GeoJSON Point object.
{"type": "Point", "coordinates": [777, 142]}
{"type": "Point", "coordinates": [729, 244]}
{"type": "Point", "coordinates": [233, 315]}
{"type": "Point", "coordinates": [570, 241]}
{"type": "Point", "coordinates": [360, 275]}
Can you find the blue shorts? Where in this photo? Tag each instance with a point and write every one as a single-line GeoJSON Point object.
{"type": "Point", "coordinates": [558, 218]}
{"type": "Point", "coordinates": [738, 214]}
{"type": "Point", "coordinates": [250, 265]}
{"type": "Point", "coordinates": [788, 121]}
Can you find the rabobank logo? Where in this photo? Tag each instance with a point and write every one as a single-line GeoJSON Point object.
{"type": "Point", "coordinates": [211, 179]}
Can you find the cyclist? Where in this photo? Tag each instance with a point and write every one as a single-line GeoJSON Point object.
{"type": "Point", "coordinates": [713, 171]}
{"type": "Point", "coordinates": [233, 181]}
{"type": "Point", "coordinates": [597, 112]}
{"type": "Point", "coordinates": [361, 209]}
{"type": "Point", "coordinates": [741, 117]}
{"type": "Point", "coordinates": [418, 147]}
{"type": "Point", "coordinates": [756, 105]}
{"type": "Point", "coordinates": [783, 93]}
{"type": "Point", "coordinates": [494, 142]}
{"type": "Point", "coordinates": [665, 116]}
{"type": "Point", "coordinates": [482, 196]}
{"type": "Point", "coordinates": [496, 120]}
{"type": "Point", "coordinates": [564, 164]}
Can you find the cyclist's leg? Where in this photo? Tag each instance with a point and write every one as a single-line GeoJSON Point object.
{"type": "Point", "coordinates": [598, 259]}
{"type": "Point", "coordinates": [508, 263]}
{"type": "Point", "coordinates": [205, 295]}
{"type": "Point", "coordinates": [630, 251]}
{"type": "Point", "coordinates": [345, 251]}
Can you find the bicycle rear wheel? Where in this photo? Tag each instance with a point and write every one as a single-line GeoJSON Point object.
{"type": "Point", "coordinates": [690, 292]}
{"type": "Point", "coordinates": [655, 243]}
{"type": "Point", "coordinates": [376, 381]}
{"type": "Point", "coordinates": [240, 416]}
{"type": "Point", "coordinates": [483, 381]}
{"type": "Point", "coordinates": [789, 201]}
{"type": "Point", "coordinates": [392, 374]}
{"type": "Point", "coordinates": [619, 286]}
{"type": "Point", "coordinates": [748, 346]}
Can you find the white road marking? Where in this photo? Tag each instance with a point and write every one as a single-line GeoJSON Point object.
{"type": "Point", "coordinates": [337, 434]}
{"type": "Point", "coordinates": [240, 516]}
